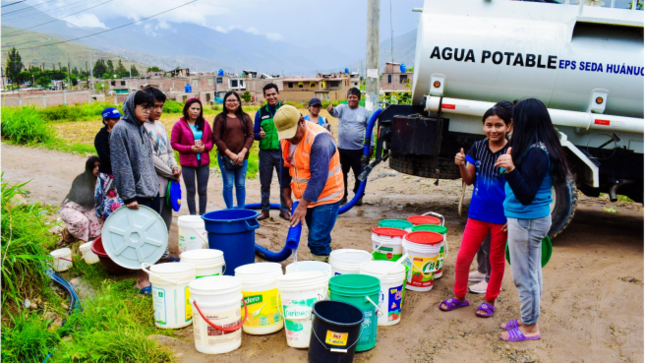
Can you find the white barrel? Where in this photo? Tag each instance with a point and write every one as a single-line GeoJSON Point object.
{"type": "Point", "coordinates": [260, 292]}
{"type": "Point", "coordinates": [219, 299]}
{"type": "Point", "coordinates": [347, 261]}
{"type": "Point", "coordinates": [303, 266]}
{"type": "Point", "coordinates": [298, 293]}
{"type": "Point", "coordinates": [392, 289]}
{"type": "Point", "coordinates": [62, 259]}
{"type": "Point", "coordinates": [422, 249]}
{"type": "Point", "coordinates": [170, 294]}
{"type": "Point", "coordinates": [192, 233]}
{"type": "Point", "coordinates": [207, 262]}
{"type": "Point", "coordinates": [89, 256]}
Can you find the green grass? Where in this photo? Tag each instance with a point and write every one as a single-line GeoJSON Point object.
{"type": "Point", "coordinates": [24, 125]}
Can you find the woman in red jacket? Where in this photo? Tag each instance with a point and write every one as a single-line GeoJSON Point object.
{"type": "Point", "coordinates": [191, 137]}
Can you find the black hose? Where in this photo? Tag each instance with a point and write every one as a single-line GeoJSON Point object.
{"type": "Point", "coordinates": [74, 303]}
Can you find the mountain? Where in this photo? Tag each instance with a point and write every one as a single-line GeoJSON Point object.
{"type": "Point", "coordinates": [404, 49]}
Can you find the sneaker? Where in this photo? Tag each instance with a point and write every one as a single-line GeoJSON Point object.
{"type": "Point", "coordinates": [476, 276]}
{"type": "Point", "coordinates": [478, 288]}
{"type": "Point", "coordinates": [319, 258]}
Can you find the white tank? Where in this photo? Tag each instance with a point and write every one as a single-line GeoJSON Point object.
{"type": "Point", "coordinates": [496, 50]}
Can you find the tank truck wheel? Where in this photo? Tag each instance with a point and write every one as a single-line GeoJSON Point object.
{"type": "Point", "coordinates": [563, 207]}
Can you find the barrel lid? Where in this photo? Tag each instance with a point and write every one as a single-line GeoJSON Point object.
{"type": "Point", "coordinates": [350, 255]}
{"type": "Point", "coordinates": [430, 227]}
{"type": "Point", "coordinates": [259, 269]}
{"type": "Point", "coordinates": [416, 220]}
{"type": "Point", "coordinates": [354, 283]}
{"type": "Point", "coordinates": [379, 267]}
{"type": "Point", "coordinates": [216, 282]}
{"type": "Point", "coordinates": [424, 237]}
{"type": "Point", "coordinates": [133, 236]}
{"type": "Point", "coordinates": [202, 254]}
{"type": "Point", "coordinates": [395, 223]}
{"type": "Point", "coordinates": [389, 232]}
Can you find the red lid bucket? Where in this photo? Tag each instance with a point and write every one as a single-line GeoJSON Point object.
{"type": "Point", "coordinates": [389, 232]}
{"type": "Point", "coordinates": [417, 220]}
{"type": "Point", "coordinates": [424, 238]}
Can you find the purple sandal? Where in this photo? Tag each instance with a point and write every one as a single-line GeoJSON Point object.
{"type": "Point", "coordinates": [515, 335]}
{"type": "Point", "coordinates": [453, 304]}
{"type": "Point", "coordinates": [513, 324]}
{"type": "Point", "coordinates": [487, 309]}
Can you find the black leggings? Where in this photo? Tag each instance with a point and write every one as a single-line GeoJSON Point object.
{"type": "Point", "coordinates": [351, 159]}
{"type": "Point", "coordinates": [202, 183]}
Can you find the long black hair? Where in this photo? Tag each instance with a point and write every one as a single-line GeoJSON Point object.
{"type": "Point", "coordinates": [502, 109]}
{"type": "Point", "coordinates": [200, 119]}
{"type": "Point", "coordinates": [532, 125]}
{"type": "Point", "coordinates": [82, 191]}
{"type": "Point", "coordinates": [241, 115]}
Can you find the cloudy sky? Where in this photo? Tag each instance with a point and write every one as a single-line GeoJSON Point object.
{"type": "Point", "coordinates": [329, 22]}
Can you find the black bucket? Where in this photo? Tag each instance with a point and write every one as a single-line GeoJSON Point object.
{"type": "Point", "coordinates": [335, 332]}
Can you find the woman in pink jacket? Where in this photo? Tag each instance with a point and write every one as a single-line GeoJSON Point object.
{"type": "Point", "coordinates": [191, 137]}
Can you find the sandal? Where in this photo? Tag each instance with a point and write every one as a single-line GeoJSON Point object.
{"type": "Point", "coordinates": [513, 324]}
{"type": "Point", "coordinates": [453, 304]}
{"type": "Point", "coordinates": [146, 290]}
{"type": "Point", "coordinates": [515, 335]}
{"type": "Point", "coordinates": [488, 310]}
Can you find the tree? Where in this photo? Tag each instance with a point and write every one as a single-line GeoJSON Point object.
{"type": "Point", "coordinates": [246, 96]}
{"type": "Point", "coordinates": [99, 69]}
{"type": "Point", "coordinates": [120, 68]}
{"type": "Point", "coordinates": [110, 68]}
{"type": "Point", "coordinates": [134, 70]}
{"type": "Point", "coordinates": [154, 69]}
{"type": "Point", "coordinates": [75, 71]}
{"type": "Point", "coordinates": [14, 66]}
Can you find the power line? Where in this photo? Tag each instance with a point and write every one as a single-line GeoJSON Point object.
{"type": "Point", "coordinates": [109, 30]}
{"type": "Point", "coordinates": [37, 11]}
{"type": "Point", "coordinates": [17, 2]}
{"type": "Point", "coordinates": [46, 3]}
{"type": "Point", "coordinates": [51, 21]}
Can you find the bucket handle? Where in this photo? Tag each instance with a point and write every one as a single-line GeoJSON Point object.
{"type": "Point", "coordinates": [143, 268]}
{"type": "Point", "coordinates": [336, 350]}
{"type": "Point", "coordinates": [379, 312]}
{"type": "Point", "coordinates": [443, 220]}
{"type": "Point", "coordinates": [221, 328]}
{"type": "Point", "coordinates": [255, 224]}
{"type": "Point", "coordinates": [66, 259]}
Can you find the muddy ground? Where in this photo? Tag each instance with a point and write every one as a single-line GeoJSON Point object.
{"type": "Point", "coordinates": [592, 307]}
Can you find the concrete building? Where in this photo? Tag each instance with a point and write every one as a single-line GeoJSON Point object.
{"type": "Point", "coordinates": [325, 87]}
{"type": "Point", "coordinates": [36, 97]}
{"type": "Point", "coordinates": [392, 80]}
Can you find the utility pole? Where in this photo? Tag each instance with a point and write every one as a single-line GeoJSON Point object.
{"type": "Point", "coordinates": [371, 59]}
{"type": "Point", "coordinates": [90, 86]}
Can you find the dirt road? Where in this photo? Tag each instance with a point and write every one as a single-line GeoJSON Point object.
{"type": "Point", "coordinates": [592, 306]}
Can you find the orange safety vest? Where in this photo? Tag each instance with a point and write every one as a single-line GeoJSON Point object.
{"type": "Point", "coordinates": [301, 173]}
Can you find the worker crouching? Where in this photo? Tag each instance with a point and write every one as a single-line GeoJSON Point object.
{"type": "Point", "coordinates": [310, 169]}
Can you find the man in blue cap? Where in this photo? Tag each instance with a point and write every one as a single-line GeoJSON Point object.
{"type": "Point", "coordinates": [105, 195]}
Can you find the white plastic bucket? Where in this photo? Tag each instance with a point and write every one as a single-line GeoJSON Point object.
{"type": "Point", "coordinates": [386, 243]}
{"type": "Point", "coordinates": [303, 266]}
{"type": "Point", "coordinates": [89, 256]}
{"type": "Point", "coordinates": [170, 293]}
{"type": "Point", "coordinates": [392, 291]}
{"type": "Point", "coordinates": [347, 261]}
{"type": "Point", "coordinates": [298, 293]}
{"type": "Point", "coordinates": [62, 259]}
{"type": "Point", "coordinates": [260, 292]}
{"type": "Point", "coordinates": [219, 299]}
{"type": "Point", "coordinates": [192, 233]}
{"type": "Point", "coordinates": [207, 262]}
{"type": "Point", "coordinates": [423, 253]}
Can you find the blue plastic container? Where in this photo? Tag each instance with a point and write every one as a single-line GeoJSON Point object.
{"type": "Point", "coordinates": [232, 231]}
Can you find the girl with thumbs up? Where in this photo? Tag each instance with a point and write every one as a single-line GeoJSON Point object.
{"type": "Point", "coordinates": [486, 211]}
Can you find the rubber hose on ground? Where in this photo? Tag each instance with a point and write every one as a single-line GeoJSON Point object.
{"type": "Point", "coordinates": [293, 238]}
{"type": "Point", "coordinates": [73, 301]}
{"type": "Point", "coordinates": [366, 151]}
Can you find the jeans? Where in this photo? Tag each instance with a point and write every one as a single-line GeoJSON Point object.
{"type": "Point", "coordinates": [153, 203]}
{"type": "Point", "coordinates": [321, 220]}
{"type": "Point", "coordinates": [525, 249]}
{"type": "Point", "coordinates": [270, 160]}
{"type": "Point", "coordinates": [233, 177]}
{"type": "Point", "coordinates": [202, 183]}
{"type": "Point", "coordinates": [474, 234]}
{"type": "Point", "coordinates": [483, 258]}
{"type": "Point", "coordinates": [351, 159]}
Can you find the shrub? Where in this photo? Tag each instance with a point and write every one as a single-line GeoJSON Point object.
{"type": "Point", "coordinates": [172, 106]}
{"type": "Point", "coordinates": [23, 125]}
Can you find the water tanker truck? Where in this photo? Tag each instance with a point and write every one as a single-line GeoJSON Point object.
{"type": "Point", "coordinates": [584, 62]}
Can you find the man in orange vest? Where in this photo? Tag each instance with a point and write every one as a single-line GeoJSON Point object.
{"type": "Point", "coordinates": [310, 169]}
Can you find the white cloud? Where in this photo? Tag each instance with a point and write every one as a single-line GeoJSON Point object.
{"type": "Point", "coordinates": [85, 21]}
{"type": "Point", "coordinates": [252, 30]}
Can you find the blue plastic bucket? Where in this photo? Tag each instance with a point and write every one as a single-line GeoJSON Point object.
{"type": "Point", "coordinates": [232, 231]}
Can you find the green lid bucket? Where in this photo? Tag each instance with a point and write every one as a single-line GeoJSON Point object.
{"type": "Point", "coordinates": [430, 227]}
{"type": "Point", "coordinates": [395, 223]}
{"type": "Point", "coordinates": [362, 291]}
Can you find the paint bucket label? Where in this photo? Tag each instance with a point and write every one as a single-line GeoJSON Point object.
{"type": "Point", "coordinates": [297, 320]}
{"type": "Point", "coordinates": [336, 338]}
{"type": "Point", "coordinates": [421, 270]}
{"type": "Point", "coordinates": [215, 337]}
{"type": "Point", "coordinates": [393, 302]}
{"type": "Point", "coordinates": [188, 240]}
{"type": "Point", "coordinates": [189, 307]}
{"type": "Point", "coordinates": [263, 308]}
{"type": "Point", "coordinates": [199, 277]}
{"type": "Point", "coordinates": [159, 305]}
{"type": "Point", "coordinates": [368, 329]}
